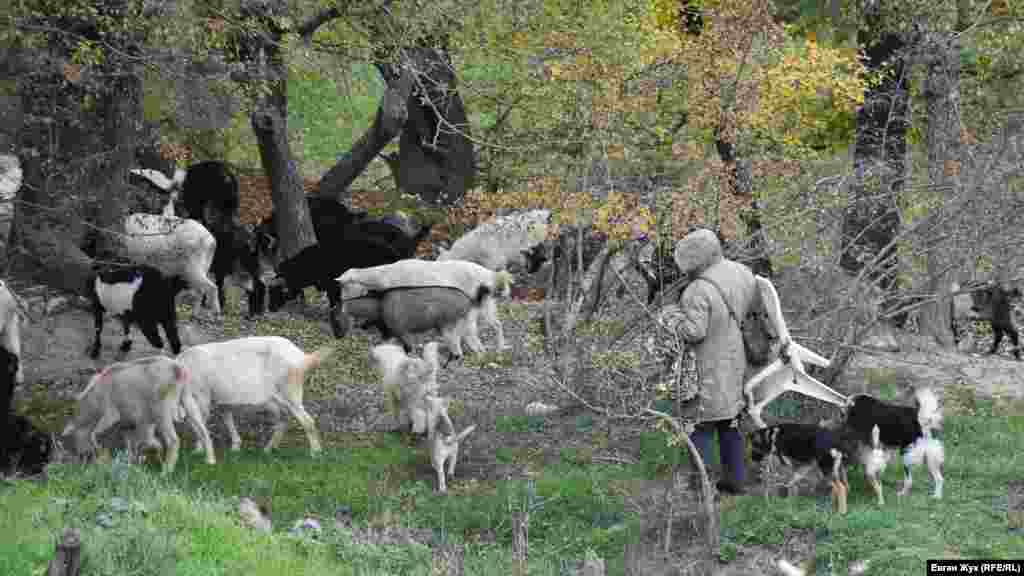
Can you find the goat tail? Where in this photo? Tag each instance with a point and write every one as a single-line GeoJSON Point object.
{"type": "Point", "coordinates": [503, 283]}
{"type": "Point", "coordinates": [181, 373]}
{"type": "Point", "coordinates": [311, 361]}
{"type": "Point", "coordinates": [929, 414]}
{"type": "Point", "coordinates": [876, 434]}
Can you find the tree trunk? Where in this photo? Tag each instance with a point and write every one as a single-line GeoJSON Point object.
{"type": "Point", "coordinates": [391, 117]}
{"type": "Point", "coordinates": [270, 124]}
{"type": "Point", "coordinates": [435, 158]}
{"type": "Point", "coordinates": [291, 212]}
{"type": "Point", "coordinates": [872, 221]}
{"type": "Point", "coordinates": [942, 98]}
{"type": "Point", "coordinates": [122, 116]}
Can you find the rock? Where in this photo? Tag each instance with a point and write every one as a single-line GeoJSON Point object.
{"type": "Point", "coordinates": [253, 516]}
{"type": "Point", "coordinates": [540, 409]}
{"type": "Point", "coordinates": [881, 337]}
{"type": "Point", "coordinates": [592, 565]}
{"type": "Point", "coordinates": [306, 527]}
{"type": "Point", "coordinates": [56, 304]}
{"type": "Point", "coordinates": [105, 520]}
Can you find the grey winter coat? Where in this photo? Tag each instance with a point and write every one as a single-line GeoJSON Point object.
{"type": "Point", "coordinates": [707, 325]}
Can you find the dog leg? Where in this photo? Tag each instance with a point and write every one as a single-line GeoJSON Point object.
{"type": "Point", "coordinates": [839, 492]}
{"type": "Point", "coordinates": [935, 457]}
{"type": "Point", "coordinates": [442, 487]}
{"type": "Point", "coordinates": [908, 477]}
{"type": "Point", "coordinates": [876, 485]}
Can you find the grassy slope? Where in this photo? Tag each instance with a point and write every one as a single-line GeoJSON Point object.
{"type": "Point", "coordinates": [189, 526]}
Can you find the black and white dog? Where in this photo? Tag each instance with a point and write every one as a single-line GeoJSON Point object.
{"type": "Point", "coordinates": [904, 428]}
{"type": "Point", "coordinates": [804, 446]}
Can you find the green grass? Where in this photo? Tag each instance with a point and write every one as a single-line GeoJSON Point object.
{"type": "Point", "coordinates": [982, 457]}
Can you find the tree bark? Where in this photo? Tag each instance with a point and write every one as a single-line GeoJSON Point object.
{"type": "Point", "coordinates": [435, 159]}
{"type": "Point", "coordinates": [872, 220]}
{"type": "Point", "coordinates": [270, 124]}
{"type": "Point", "coordinates": [122, 115]}
{"type": "Point", "coordinates": [291, 211]}
{"type": "Point", "coordinates": [942, 98]}
{"type": "Point", "coordinates": [391, 117]}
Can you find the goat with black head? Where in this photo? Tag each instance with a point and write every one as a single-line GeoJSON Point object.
{"type": "Point", "coordinates": [137, 294]}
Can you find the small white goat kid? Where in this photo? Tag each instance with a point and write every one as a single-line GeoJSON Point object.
{"type": "Point", "coordinates": [10, 327]}
{"type": "Point", "coordinates": [146, 393]}
{"type": "Point", "coordinates": [502, 241]}
{"type": "Point", "coordinates": [407, 381]}
{"type": "Point", "coordinates": [176, 246]}
{"type": "Point", "coordinates": [263, 371]}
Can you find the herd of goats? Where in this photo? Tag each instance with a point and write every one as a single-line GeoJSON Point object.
{"type": "Point", "coordinates": [367, 268]}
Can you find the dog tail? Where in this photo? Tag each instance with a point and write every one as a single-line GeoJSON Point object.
{"type": "Point", "coordinates": [927, 450]}
{"type": "Point", "coordinates": [929, 414]}
{"type": "Point", "coordinates": [788, 569]}
{"type": "Point", "coordinates": [875, 459]}
{"type": "Point", "coordinates": [453, 439]}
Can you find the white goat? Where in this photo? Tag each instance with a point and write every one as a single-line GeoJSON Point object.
{"type": "Point", "coordinates": [501, 241]}
{"type": "Point", "coordinates": [146, 393]}
{"type": "Point", "coordinates": [478, 283]}
{"type": "Point", "coordinates": [10, 327]}
{"type": "Point", "coordinates": [407, 381]}
{"type": "Point", "coordinates": [264, 371]}
{"type": "Point", "coordinates": [171, 186]}
{"type": "Point", "coordinates": [176, 246]}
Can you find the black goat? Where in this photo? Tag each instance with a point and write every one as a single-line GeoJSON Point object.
{"type": "Point", "coordinates": [210, 193]}
{"type": "Point", "coordinates": [320, 266]}
{"type": "Point", "coordinates": [137, 295]}
{"type": "Point", "coordinates": [23, 447]}
{"type": "Point", "coordinates": [240, 254]}
{"type": "Point", "coordinates": [992, 303]}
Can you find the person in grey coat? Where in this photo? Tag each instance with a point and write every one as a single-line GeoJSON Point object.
{"type": "Point", "coordinates": [719, 293]}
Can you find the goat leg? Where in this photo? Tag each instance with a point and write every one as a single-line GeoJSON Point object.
{"type": "Point", "coordinates": [126, 344]}
{"type": "Point", "coordinates": [150, 331]}
{"type": "Point", "coordinates": [97, 311]}
{"type": "Point", "coordinates": [170, 325]}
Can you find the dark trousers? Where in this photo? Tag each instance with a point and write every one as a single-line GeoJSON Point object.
{"type": "Point", "coordinates": [730, 444]}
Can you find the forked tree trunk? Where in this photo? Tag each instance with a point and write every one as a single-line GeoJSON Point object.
{"type": "Point", "coordinates": [942, 98]}
{"type": "Point", "coordinates": [291, 212]}
{"type": "Point", "coordinates": [269, 123]}
{"type": "Point", "coordinates": [872, 220]}
{"type": "Point", "coordinates": [435, 159]}
{"type": "Point", "coordinates": [387, 124]}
